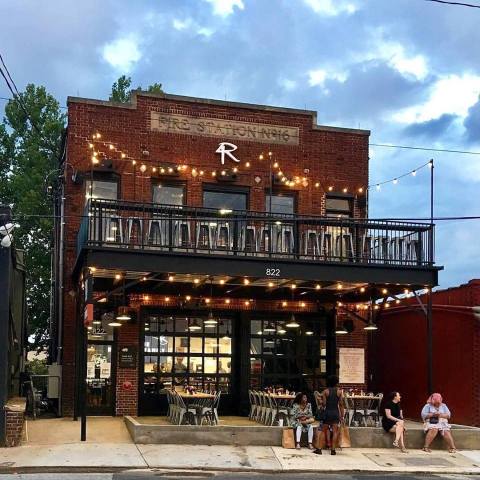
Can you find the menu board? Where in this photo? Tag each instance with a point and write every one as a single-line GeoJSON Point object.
{"type": "Point", "coordinates": [352, 365]}
{"type": "Point", "coordinates": [128, 357]}
{"type": "Point", "coordinates": [105, 370]}
{"type": "Point", "coordinates": [90, 369]}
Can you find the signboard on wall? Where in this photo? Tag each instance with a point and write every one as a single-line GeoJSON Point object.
{"type": "Point", "coordinates": [105, 370]}
{"type": "Point", "coordinates": [352, 365]}
{"type": "Point", "coordinates": [128, 357]}
{"type": "Point", "coordinates": [215, 127]}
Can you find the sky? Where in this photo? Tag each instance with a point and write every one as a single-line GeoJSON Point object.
{"type": "Point", "coordinates": [408, 70]}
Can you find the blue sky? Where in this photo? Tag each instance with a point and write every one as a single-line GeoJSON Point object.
{"type": "Point", "coordinates": [408, 70]}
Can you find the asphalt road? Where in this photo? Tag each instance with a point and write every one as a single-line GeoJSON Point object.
{"type": "Point", "coordinates": [157, 475]}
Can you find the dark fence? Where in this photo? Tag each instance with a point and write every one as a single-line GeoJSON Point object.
{"type": "Point", "coordinates": [130, 225]}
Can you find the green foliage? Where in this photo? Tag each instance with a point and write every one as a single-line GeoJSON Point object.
{"type": "Point", "coordinates": [37, 367]}
{"type": "Point", "coordinates": [29, 155]}
{"type": "Point", "coordinates": [121, 91]}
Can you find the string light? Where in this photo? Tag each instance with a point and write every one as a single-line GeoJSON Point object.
{"type": "Point", "coordinates": [289, 182]}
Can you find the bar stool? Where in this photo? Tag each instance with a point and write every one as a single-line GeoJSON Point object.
{"type": "Point", "coordinates": [283, 240]}
{"type": "Point", "coordinates": [367, 250]}
{"type": "Point", "coordinates": [181, 234]}
{"type": "Point", "coordinates": [413, 253]}
{"type": "Point", "coordinates": [222, 237]}
{"type": "Point", "coordinates": [157, 230]}
{"type": "Point", "coordinates": [344, 247]}
{"type": "Point", "coordinates": [326, 245]}
{"type": "Point", "coordinates": [134, 231]}
{"type": "Point", "coordinates": [311, 246]}
{"type": "Point", "coordinates": [397, 250]}
{"type": "Point", "coordinates": [264, 241]}
{"type": "Point", "coordinates": [205, 235]}
{"type": "Point", "coordinates": [248, 239]}
{"type": "Point", "coordinates": [113, 232]}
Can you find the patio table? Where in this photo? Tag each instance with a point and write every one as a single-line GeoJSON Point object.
{"type": "Point", "coordinates": [364, 405]}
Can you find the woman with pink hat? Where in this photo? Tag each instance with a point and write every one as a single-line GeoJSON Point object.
{"type": "Point", "coordinates": [436, 415]}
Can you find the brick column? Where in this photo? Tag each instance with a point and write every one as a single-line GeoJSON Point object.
{"type": "Point", "coordinates": [127, 378]}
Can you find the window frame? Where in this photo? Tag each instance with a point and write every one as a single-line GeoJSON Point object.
{"type": "Point", "coordinates": [169, 183]}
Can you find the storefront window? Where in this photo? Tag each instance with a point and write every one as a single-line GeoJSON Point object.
{"type": "Point", "coordinates": [198, 359]}
{"type": "Point", "coordinates": [285, 357]}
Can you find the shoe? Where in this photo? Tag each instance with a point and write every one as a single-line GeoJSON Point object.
{"type": "Point", "coordinates": [310, 446]}
{"type": "Point", "coordinates": [426, 449]}
{"type": "Point", "coordinates": [317, 451]}
{"type": "Point", "coordinates": [333, 452]}
{"type": "Point", "coordinates": [298, 446]}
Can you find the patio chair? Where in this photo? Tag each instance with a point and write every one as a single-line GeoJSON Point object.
{"type": "Point", "coordinates": [253, 405]}
{"type": "Point", "coordinates": [372, 411]}
{"type": "Point", "coordinates": [349, 410]}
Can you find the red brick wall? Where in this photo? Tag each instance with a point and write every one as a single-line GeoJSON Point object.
{"type": "Point", "coordinates": [127, 378]}
{"type": "Point", "coordinates": [400, 354]}
{"type": "Point", "coordinates": [15, 422]}
{"type": "Point", "coordinates": [333, 157]}
{"type": "Point", "coordinates": [358, 338]}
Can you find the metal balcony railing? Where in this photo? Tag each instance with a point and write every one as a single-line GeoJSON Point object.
{"type": "Point", "coordinates": [143, 226]}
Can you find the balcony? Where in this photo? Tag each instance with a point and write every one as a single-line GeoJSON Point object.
{"type": "Point", "coordinates": [272, 241]}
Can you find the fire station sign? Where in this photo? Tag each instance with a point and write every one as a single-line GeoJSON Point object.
{"type": "Point", "coordinates": [213, 127]}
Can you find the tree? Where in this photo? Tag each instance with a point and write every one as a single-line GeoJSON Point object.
{"type": "Point", "coordinates": [121, 91]}
{"type": "Point", "coordinates": [29, 151]}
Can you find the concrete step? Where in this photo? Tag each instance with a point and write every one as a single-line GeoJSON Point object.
{"type": "Point", "coordinates": [467, 438]}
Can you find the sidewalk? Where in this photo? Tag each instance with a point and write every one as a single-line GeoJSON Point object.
{"type": "Point", "coordinates": [53, 445]}
{"type": "Point", "coordinates": [117, 456]}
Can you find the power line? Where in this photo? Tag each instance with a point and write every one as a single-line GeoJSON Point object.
{"type": "Point", "coordinates": [471, 5]}
{"type": "Point", "coordinates": [426, 149]}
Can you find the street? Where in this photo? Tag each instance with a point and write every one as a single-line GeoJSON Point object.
{"type": "Point", "coordinates": [173, 475]}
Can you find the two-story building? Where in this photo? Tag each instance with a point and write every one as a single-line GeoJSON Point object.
{"type": "Point", "coordinates": [214, 244]}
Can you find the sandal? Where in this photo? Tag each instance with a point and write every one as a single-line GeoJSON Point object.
{"type": "Point", "coordinates": [395, 444]}
{"type": "Point", "coordinates": [404, 450]}
{"type": "Point", "coordinates": [426, 449]}
{"type": "Point", "coordinates": [452, 450]}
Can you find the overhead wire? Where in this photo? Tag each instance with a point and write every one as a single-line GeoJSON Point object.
{"type": "Point", "coordinates": [460, 4]}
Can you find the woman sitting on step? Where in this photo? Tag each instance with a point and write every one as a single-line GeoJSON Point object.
{"type": "Point", "coordinates": [436, 415]}
{"type": "Point", "coordinates": [303, 419]}
{"type": "Point", "coordinates": [393, 421]}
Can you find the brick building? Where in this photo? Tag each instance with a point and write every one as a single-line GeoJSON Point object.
{"type": "Point", "coordinates": [216, 244]}
{"type": "Point", "coordinates": [456, 350]}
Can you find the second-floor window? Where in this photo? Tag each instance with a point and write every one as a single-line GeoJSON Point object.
{"type": "Point", "coordinates": [281, 203]}
{"type": "Point", "coordinates": [168, 194]}
{"type": "Point", "coordinates": [101, 189]}
{"type": "Point", "coordinates": [337, 206]}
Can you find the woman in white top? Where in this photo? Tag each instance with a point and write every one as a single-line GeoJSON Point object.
{"type": "Point", "coordinates": [436, 415]}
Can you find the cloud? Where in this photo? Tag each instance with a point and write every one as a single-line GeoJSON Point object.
{"type": "Point", "coordinates": [123, 53]}
{"type": "Point", "coordinates": [287, 84]}
{"type": "Point", "coordinates": [223, 8]}
{"type": "Point", "coordinates": [450, 94]}
{"type": "Point", "coordinates": [188, 24]}
{"type": "Point", "coordinates": [472, 124]}
{"type": "Point", "coordinates": [331, 7]}
{"type": "Point", "coordinates": [320, 76]}
{"type": "Point", "coordinates": [432, 129]}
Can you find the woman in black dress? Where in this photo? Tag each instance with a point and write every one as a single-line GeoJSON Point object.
{"type": "Point", "coordinates": [393, 422]}
{"type": "Point", "coordinates": [332, 399]}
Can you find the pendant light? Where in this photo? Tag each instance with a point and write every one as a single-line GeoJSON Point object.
{"type": "Point", "coordinates": [226, 336]}
{"type": "Point", "coordinates": [123, 314]}
{"type": "Point", "coordinates": [194, 326]}
{"type": "Point", "coordinates": [281, 329]}
{"type": "Point", "coordinates": [210, 322]}
{"type": "Point", "coordinates": [292, 323]}
{"type": "Point", "coordinates": [341, 330]}
{"type": "Point", "coordinates": [370, 326]}
{"type": "Point", "coordinates": [115, 323]}
{"type": "Point", "coordinates": [269, 328]}
{"type": "Point", "coordinates": [269, 341]}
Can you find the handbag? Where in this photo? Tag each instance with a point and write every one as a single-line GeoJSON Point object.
{"type": "Point", "coordinates": [319, 440]}
{"type": "Point", "coordinates": [288, 439]}
{"type": "Point", "coordinates": [344, 437]}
